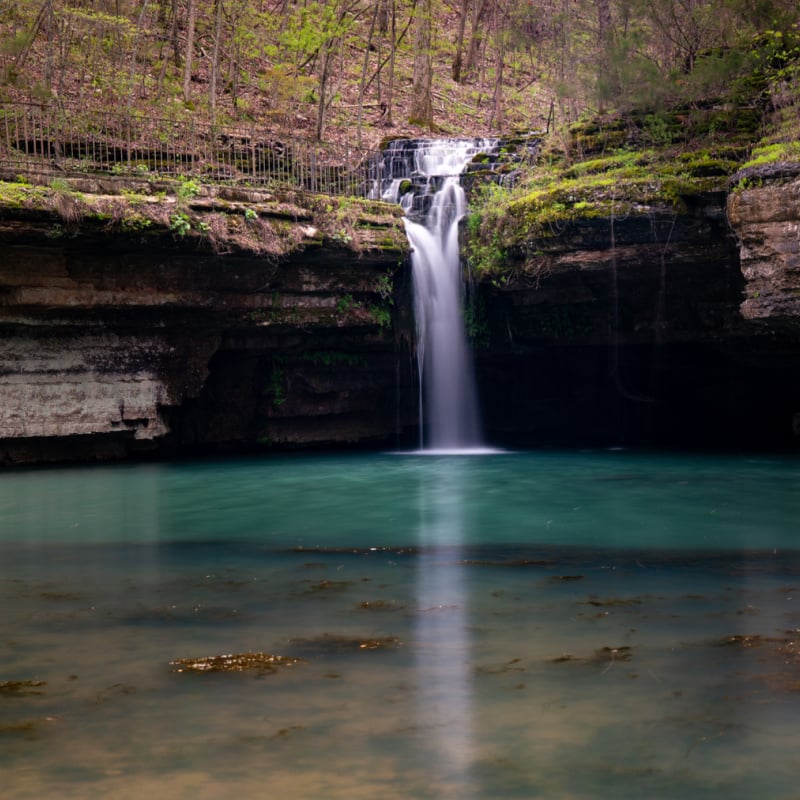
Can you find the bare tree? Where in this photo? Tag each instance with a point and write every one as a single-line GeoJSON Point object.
{"type": "Point", "coordinates": [421, 101]}
{"type": "Point", "coordinates": [191, 21]}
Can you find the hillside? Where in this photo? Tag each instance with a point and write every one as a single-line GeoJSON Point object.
{"type": "Point", "coordinates": [360, 72]}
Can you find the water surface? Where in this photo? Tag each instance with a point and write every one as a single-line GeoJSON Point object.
{"type": "Point", "coordinates": [571, 625]}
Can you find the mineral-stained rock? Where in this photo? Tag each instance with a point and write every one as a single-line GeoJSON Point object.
{"type": "Point", "coordinates": [235, 662]}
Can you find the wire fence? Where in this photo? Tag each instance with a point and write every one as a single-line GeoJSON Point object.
{"type": "Point", "coordinates": [38, 139]}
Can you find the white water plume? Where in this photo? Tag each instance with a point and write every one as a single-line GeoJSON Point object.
{"type": "Point", "coordinates": [449, 418]}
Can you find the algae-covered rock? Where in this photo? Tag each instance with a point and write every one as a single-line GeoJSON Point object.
{"type": "Point", "coordinates": [235, 662]}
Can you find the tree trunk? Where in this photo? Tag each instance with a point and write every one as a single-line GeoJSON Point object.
{"type": "Point", "coordinates": [191, 20]}
{"type": "Point", "coordinates": [476, 36]}
{"type": "Point", "coordinates": [462, 26]}
{"type": "Point", "coordinates": [214, 78]}
{"type": "Point", "coordinates": [497, 117]}
{"type": "Point", "coordinates": [325, 59]}
{"type": "Point", "coordinates": [604, 77]}
{"type": "Point", "coordinates": [365, 65]}
{"type": "Point", "coordinates": [387, 120]}
{"type": "Point", "coordinates": [421, 101]}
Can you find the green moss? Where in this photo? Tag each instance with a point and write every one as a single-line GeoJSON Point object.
{"type": "Point", "coordinates": [559, 192]}
{"type": "Point", "coordinates": [16, 195]}
{"type": "Point", "coordinates": [774, 153]}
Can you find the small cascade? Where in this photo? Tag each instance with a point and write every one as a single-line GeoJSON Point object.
{"type": "Point", "coordinates": [424, 176]}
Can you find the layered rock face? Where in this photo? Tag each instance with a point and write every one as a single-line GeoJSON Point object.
{"type": "Point", "coordinates": [628, 331]}
{"type": "Point", "coordinates": [766, 219]}
{"type": "Point", "coordinates": [659, 328]}
{"type": "Point", "coordinates": [116, 345]}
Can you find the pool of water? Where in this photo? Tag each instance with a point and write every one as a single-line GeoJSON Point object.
{"type": "Point", "coordinates": [513, 625]}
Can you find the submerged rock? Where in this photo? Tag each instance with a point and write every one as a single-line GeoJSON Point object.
{"type": "Point", "coordinates": [331, 643]}
{"type": "Point", "coordinates": [20, 688]}
{"type": "Point", "coordinates": [235, 662]}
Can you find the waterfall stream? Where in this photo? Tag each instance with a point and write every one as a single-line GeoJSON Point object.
{"type": "Point", "coordinates": [424, 176]}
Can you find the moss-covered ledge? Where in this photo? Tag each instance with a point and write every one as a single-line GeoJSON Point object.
{"type": "Point", "coordinates": [561, 204]}
{"type": "Point", "coordinates": [212, 218]}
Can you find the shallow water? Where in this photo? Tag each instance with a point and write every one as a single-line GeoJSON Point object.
{"type": "Point", "coordinates": [520, 625]}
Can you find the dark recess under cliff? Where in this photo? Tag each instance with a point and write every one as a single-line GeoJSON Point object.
{"type": "Point", "coordinates": [636, 339]}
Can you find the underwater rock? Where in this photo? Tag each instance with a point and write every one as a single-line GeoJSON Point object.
{"type": "Point", "coordinates": [613, 602]}
{"type": "Point", "coordinates": [514, 562]}
{"type": "Point", "coordinates": [21, 688]}
{"type": "Point", "coordinates": [498, 669]}
{"type": "Point", "coordinates": [612, 654]}
{"type": "Point", "coordinates": [380, 605]}
{"type": "Point", "coordinates": [331, 643]}
{"type": "Point", "coordinates": [235, 662]}
{"type": "Point", "coordinates": [329, 586]}
{"type": "Point", "coordinates": [604, 655]}
{"type": "Point", "coordinates": [28, 729]}
{"type": "Point", "coordinates": [787, 647]}
{"type": "Point", "coordinates": [780, 651]}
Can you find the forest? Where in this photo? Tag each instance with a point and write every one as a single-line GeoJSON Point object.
{"type": "Point", "coordinates": [364, 71]}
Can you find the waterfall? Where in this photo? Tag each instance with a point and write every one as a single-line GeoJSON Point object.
{"type": "Point", "coordinates": [424, 176]}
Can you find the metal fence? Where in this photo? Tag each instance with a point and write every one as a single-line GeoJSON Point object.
{"type": "Point", "coordinates": [58, 140]}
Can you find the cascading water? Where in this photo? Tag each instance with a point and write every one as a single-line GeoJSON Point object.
{"type": "Point", "coordinates": [424, 177]}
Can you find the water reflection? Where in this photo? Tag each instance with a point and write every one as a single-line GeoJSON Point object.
{"type": "Point", "coordinates": [442, 634]}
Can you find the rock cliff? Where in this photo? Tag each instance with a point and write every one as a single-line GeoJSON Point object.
{"type": "Point", "coordinates": [121, 340]}
{"type": "Point", "coordinates": [632, 330]}
{"type": "Point", "coordinates": [764, 210]}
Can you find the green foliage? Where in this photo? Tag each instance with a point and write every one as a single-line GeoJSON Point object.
{"type": "Point", "coordinates": [186, 189]}
{"type": "Point", "coordinates": [346, 303]}
{"type": "Point", "coordinates": [384, 286]}
{"type": "Point", "coordinates": [382, 314]}
{"type": "Point", "coordinates": [180, 224]}
{"type": "Point", "coordinates": [133, 222]}
{"type": "Point", "coordinates": [341, 237]}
